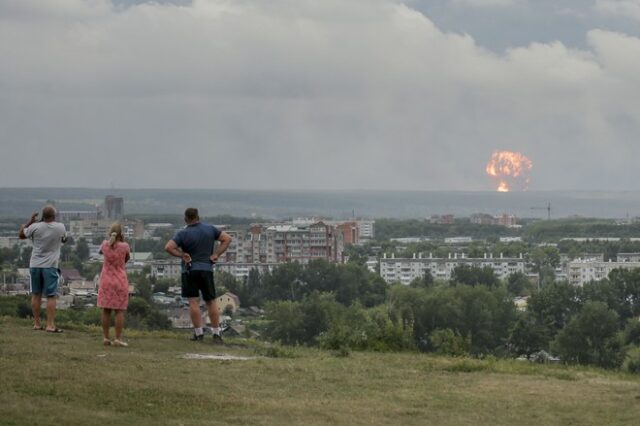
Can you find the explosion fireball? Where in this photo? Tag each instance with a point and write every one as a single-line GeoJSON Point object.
{"type": "Point", "coordinates": [510, 170]}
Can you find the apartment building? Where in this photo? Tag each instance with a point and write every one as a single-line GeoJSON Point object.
{"type": "Point", "coordinates": [285, 243]}
{"type": "Point", "coordinates": [405, 270]}
{"type": "Point", "coordinates": [366, 229]}
{"type": "Point", "coordinates": [241, 270]}
{"type": "Point", "coordinates": [169, 268]}
{"type": "Point", "coordinates": [92, 228]}
{"type": "Point", "coordinates": [628, 257]}
{"type": "Point", "coordinates": [507, 220]}
{"type": "Point", "coordinates": [582, 271]}
{"type": "Point", "coordinates": [263, 247]}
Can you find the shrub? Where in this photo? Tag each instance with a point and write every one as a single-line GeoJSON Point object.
{"type": "Point", "coordinates": [632, 361]}
{"type": "Point", "coordinates": [449, 342]}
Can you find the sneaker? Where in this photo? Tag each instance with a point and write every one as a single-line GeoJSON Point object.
{"type": "Point", "coordinates": [217, 339]}
{"type": "Point", "coordinates": [197, 337]}
{"type": "Point", "coordinates": [119, 343]}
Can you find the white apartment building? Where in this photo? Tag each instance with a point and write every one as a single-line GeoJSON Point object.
{"type": "Point", "coordinates": [581, 271]}
{"type": "Point", "coordinates": [628, 257]}
{"type": "Point", "coordinates": [241, 270]}
{"type": "Point", "coordinates": [458, 240]}
{"type": "Point", "coordinates": [166, 268]}
{"type": "Point", "coordinates": [99, 228]}
{"type": "Point", "coordinates": [405, 270]}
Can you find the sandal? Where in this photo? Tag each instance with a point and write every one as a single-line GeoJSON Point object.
{"type": "Point", "coordinates": [55, 330]}
{"type": "Point", "coordinates": [38, 328]}
{"type": "Point", "coordinates": [119, 343]}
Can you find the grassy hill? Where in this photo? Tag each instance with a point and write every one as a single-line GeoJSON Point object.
{"type": "Point", "coordinates": [71, 378]}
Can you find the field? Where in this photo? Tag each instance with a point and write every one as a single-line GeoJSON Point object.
{"type": "Point", "coordinates": [71, 378]}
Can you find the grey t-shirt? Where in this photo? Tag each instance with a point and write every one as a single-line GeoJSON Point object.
{"type": "Point", "coordinates": [47, 240]}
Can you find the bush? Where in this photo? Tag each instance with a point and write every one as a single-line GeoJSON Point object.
{"type": "Point", "coordinates": [23, 310]}
{"type": "Point", "coordinates": [632, 361]}
{"type": "Point", "coordinates": [449, 342]}
{"type": "Point", "coordinates": [14, 305]}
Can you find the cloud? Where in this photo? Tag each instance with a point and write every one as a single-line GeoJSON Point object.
{"type": "Point", "coordinates": [288, 94]}
{"type": "Point", "coordinates": [485, 3]}
{"type": "Point", "coordinates": [620, 8]}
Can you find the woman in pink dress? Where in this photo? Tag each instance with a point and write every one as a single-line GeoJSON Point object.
{"type": "Point", "coordinates": [113, 294]}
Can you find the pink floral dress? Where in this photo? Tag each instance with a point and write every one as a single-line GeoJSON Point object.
{"type": "Point", "coordinates": [114, 285]}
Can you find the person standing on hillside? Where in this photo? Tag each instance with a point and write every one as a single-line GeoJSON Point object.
{"type": "Point", "coordinates": [195, 244]}
{"type": "Point", "coordinates": [113, 294]}
{"type": "Point", "coordinates": [47, 237]}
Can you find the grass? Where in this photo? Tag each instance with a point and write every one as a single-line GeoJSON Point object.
{"type": "Point", "coordinates": [72, 379]}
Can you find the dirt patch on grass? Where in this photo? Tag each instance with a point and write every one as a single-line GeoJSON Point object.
{"type": "Point", "coordinates": [218, 357]}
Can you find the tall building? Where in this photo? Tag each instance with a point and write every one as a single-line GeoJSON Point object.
{"type": "Point", "coordinates": [286, 243]}
{"type": "Point", "coordinates": [350, 232]}
{"type": "Point", "coordinates": [366, 229]}
{"type": "Point", "coordinates": [113, 207]}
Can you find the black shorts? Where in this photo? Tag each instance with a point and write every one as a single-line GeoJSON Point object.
{"type": "Point", "coordinates": [196, 282]}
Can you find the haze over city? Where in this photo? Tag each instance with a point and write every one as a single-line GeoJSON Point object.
{"type": "Point", "coordinates": [360, 94]}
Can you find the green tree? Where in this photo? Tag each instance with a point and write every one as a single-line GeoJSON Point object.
{"type": "Point", "coordinates": [631, 332]}
{"type": "Point", "coordinates": [527, 336]}
{"type": "Point", "coordinates": [282, 282]}
{"type": "Point", "coordinates": [286, 322]}
{"type": "Point", "coordinates": [138, 307]}
{"type": "Point", "coordinates": [544, 257]}
{"type": "Point", "coordinates": [227, 282]}
{"type": "Point", "coordinates": [82, 250]}
{"type": "Point", "coordinates": [424, 281]}
{"type": "Point", "coordinates": [253, 289]}
{"type": "Point", "coordinates": [554, 305]}
{"type": "Point", "coordinates": [449, 342]}
{"type": "Point", "coordinates": [162, 285]}
{"type": "Point", "coordinates": [482, 314]}
{"type": "Point", "coordinates": [518, 284]}
{"type": "Point", "coordinates": [142, 285]}
{"type": "Point", "coordinates": [473, 276]}
{"type": "Point", "coordinates": [626, 288]}
{"type": "Point", "coordinates": [590, 337]}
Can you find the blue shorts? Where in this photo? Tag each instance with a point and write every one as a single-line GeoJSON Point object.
{"type": "Point", "coordinates": [44, 280]}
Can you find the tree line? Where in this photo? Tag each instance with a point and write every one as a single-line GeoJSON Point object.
{"type": "Point", "coordinates": [346, 306]}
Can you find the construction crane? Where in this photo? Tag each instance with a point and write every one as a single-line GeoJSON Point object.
{"type": "Point", "coordinates": [548, 209]}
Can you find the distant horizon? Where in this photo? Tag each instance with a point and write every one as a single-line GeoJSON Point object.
{"type": "Point", "coordinates": [274, 204]}
{"type": "Point", "coordinates": [152, 188]}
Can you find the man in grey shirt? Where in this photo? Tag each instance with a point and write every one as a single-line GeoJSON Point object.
{"type": "Point", "coordinates": [47, 237]}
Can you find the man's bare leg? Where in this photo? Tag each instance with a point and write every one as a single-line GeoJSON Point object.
{"type": "Point", "coordinates": [51, 313]}
{"type": "Point", "coordinates": [214, 315]}
{"type": "Point", "coordinates": [36, 300]}
{"type": "Point", "coordinates": [194, 312]}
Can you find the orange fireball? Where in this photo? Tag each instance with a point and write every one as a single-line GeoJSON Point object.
{"type": "Point", "coordinates": [510, 170]}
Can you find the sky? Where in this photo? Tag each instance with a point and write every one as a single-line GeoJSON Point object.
{"type": "Point", "coordinates": [324, 94]}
